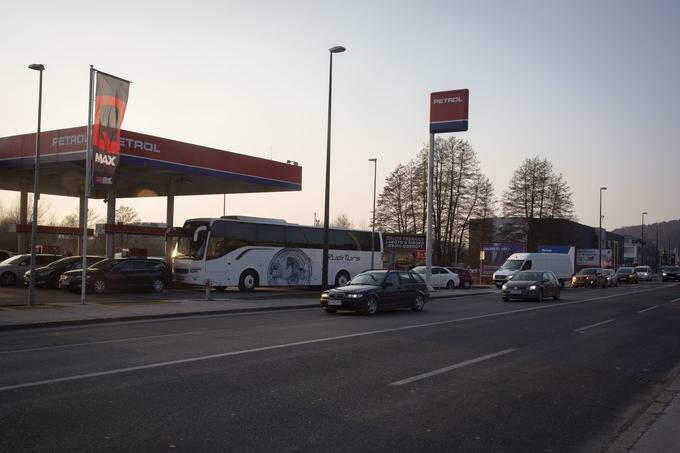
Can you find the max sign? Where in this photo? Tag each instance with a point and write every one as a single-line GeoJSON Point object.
{"type": "Point", "coordinates": [112, 96]}
{"type": "Point", "coordinates": [449, 111]}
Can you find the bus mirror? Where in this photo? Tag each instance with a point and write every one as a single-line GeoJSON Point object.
{"type": "Point", "coordinates": [197, 231]}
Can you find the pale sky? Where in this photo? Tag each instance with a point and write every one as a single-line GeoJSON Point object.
{"type": "Point", "coordinates": [591, 86]}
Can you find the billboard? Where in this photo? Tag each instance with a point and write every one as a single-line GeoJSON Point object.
{"type": "Point", "coordinates": [495, 254]}
{"type": "Point", "coordinates": [449, 111]}
{"type": "Point", "coordinates": [589, 257]}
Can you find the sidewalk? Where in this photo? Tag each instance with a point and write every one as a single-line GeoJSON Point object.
{"type": "Point", "coordinates": [657, 430]}
{"type": "Point", "coordinates": [60, 308]}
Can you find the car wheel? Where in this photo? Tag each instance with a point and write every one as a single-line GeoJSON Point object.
{"type": "Point", "coordinates": [158, 285]}
{"type": "Point", "coordinates": [539, 297]}
{"type": "Point", "coordinates": [419, 302]}
{"type": "Point", "coordinates": [341, 279]}
{"type": "Point", "coordinates": [99, 286]}
{"type": "Point", "coordinates": [8, 278]}
{"type": "Point", "coordinates": [248, 281]}
{"type": "Point", "coordinates": [505, 299]}
{"type": "Point", "coordinates": [467, 284]}
{"type": "Point", "coordinates": [450, 284]}
{"type": "Point", "coordinates": [371, 306]}
{"type": "Point", "coordinates": [330, 311]}
{"type": "Point", "coordinates": [557, 294]}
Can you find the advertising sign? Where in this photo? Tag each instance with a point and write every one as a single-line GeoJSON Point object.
{"type": "Point", "coordinates": [111, 100]}
{"type": "Point", "coordinates": [449, 111]}
{"type": "Point", "coordinates": [495, 254]}
{"type": "Point", "coordinates": [589, 257]}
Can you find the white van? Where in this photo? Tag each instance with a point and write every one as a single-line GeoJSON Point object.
{"type": "Point", "coordinates": [560, 264]}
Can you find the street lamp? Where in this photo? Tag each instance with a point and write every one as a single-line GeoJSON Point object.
{"type": "Point", "coordinates": [324, 265]}
{"type": "Point", "coordinates": [36, 186]}
{"type": "Point", "coordinates": [375, 171]}
{"type": "Point", "coordinates": [642, 240]}
{"type": "Point", "coordinates": [599, 232]}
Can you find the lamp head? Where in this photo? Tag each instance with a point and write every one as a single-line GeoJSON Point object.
{"type": "Point", "coordinates": [603, 188]}
{"type": "Point", "coordinates": [337, 49]}
{"type": "Point", "coordinates": [373, 159]}
{"type": "Point", "coordinates": [645, 213]}
{"type": "Point", "coordinates": [36, 67]}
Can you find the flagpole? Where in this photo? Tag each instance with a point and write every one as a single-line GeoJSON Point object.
{"type": "Point", "coordinates": [88, 178]}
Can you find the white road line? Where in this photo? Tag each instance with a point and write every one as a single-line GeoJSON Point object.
{"type": "Point", "coordinates": [450, 368]}
{"type": "Point", "coordinates": [674, 300]}
{"type": "Point", "coordinates": [582, 329]}
{"type": "Point", "coordinates": [647, 309]}
{"type": "Point", "coordinates": [299, 343]}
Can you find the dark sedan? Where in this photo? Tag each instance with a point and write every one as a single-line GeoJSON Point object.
{"type": "Point", "coordinates": [626, 275]}
{"type": "Point", "coordinates": [120, 274]}
{"type": "Point", "coordinates": [670, 273]}
{"type": "Point", "coordinates": [535, 285]}
{"type": "Point", "coordinates": [465, 276]}
{"type": "Point", "coordinates": [49, 275]}
{"type": "Point", "coordinates": [371, 291]}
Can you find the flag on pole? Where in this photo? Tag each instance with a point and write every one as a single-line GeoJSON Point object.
{"type": "Point", "coordinates": [111, 100]}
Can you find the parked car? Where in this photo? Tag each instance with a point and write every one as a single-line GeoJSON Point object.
{"type": "Point", "coordinates": [531, 285]}
{"type": "Point", "coordinates": [644, 273]}
{"type": "Point", "coordinates": [124, 273]}
{"type": "Point", "coordinates": [49, 275]}
{"type": "Point", "coordinates": [590, 277]}
{"type": "Point", "coordinates": [670, 273]}
{"type": "Point", "coordinates": [612, 280]}
{"type": "Point", "coordinates": [626, 275]}
{"type": "Point", "coordinates": [442, 277]}
{"type": "Point", "coordinates": [560, 264]}
{"type": "Point", "coordinates": [12, 269]}
{"type": "Point", "coordinates": [464, 275]}
{"type": "Point", "coordinates": [369, 292]}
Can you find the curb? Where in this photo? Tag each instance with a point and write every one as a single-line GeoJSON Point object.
{"type": "Point", "coordinates": [76, 322]}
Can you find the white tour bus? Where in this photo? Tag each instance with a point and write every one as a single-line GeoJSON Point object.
{"type": "Point", "coordinates": [251, 252]}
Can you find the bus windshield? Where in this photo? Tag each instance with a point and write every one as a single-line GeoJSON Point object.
{"type": "Point", "coordinates": [191, 243]}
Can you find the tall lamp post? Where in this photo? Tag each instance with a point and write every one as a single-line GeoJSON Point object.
{"type": "Point", "coordinates": [642, 240]}
{"type": "Point", "coordinates": [599, 232]}
{"type": "Point", "coordinates": [375, 171]}
{"type": "Point", "coordinates": [324, 265]}
{"type": "Point", "coordinates": [36, 186]}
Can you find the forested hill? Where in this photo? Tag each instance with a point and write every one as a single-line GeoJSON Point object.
{"type": "Point", "coordinates": [667, 231]}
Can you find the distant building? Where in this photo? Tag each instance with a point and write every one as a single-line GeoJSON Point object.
{"type": "Point", "coordinates": [506, 235]}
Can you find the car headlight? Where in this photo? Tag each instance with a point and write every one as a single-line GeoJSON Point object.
{"type": "Point", "coordinates": [324, 295]}
{"type": "Point", "coordinates": [532, 288]}
{"type": "Point", "coordinates": [355, 296]}
{"type": "Point", "coordinates": [664, 274]}
{"type": "Point", "coordinates": [504, 287]}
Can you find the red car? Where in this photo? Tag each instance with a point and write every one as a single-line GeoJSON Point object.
{"type": "Point", "coordinates": [464, 275]}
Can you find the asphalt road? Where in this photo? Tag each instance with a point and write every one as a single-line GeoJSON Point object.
{"type": "Point", "coordinates": [470, 374]}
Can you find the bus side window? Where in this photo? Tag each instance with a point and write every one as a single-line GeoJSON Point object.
{"type": "Point", "coordinates": [527, 265]}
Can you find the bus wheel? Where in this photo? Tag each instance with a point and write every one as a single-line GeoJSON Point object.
{"type": "Point", "coordinates": [342, 278]}
{"type": "Point", "coordinates": [248, 281]}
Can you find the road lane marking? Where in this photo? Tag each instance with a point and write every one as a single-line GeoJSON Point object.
{"type": "Point", "coordinates": [450, 368]}
{"type": "Point", "coordinates": [674, 300]}
{"type": "Point", "coordinates": [582, 329]}
{"type": "Point", "coordinates": [305, 342]}
{"type": "Point", "coordinates": [650, 308]}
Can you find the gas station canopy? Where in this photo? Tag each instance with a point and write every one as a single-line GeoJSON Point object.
{"type": "Point", "coordinates": [148, 166]}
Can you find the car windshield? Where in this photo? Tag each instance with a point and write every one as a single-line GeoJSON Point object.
{"type": "Point", "coordinates": [589, 271]}
{"type": "Point", "coordinates": [105, 264]}
{"type": "Point", "coordinates": [624, 270]}
{"type": "Point", "coordinates": [374, 278]}
{"type": "Point", "coordinates": [419, 269]}
{"type": "Point", "coordinates": [672, 269]}
{"type": "Point", "coordinates": [14, 259]}
{"type": "Point", "coordinates": [64, 261]}
{"type": "Point", "coordinates": [528, 276]}
{"type": "Point", "coordinates": [642, 269]}
{"type": "Point", "coordinates": [512, 265]}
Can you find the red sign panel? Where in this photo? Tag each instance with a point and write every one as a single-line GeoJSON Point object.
{"type": "Point", "coordinates": [449, 111]}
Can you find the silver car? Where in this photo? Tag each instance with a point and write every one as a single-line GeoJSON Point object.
{"type": "Point", "coordinates": [12, 270]}
{"type": "Point", "coordinates": [644, 273]}
{"type": "Point", "coordinates": [612, 279]}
